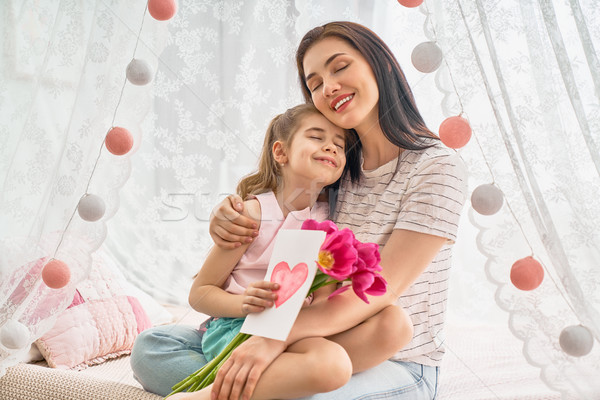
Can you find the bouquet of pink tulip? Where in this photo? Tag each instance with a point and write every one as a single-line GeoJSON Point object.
{"type": "Point", "coordinates": [342, 258]}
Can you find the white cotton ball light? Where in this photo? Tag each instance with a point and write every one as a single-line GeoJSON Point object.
{"type": "Point", "coordinates": [14, 335]}
{"type": "Point", "coordinates": [91, 207]}
{"type": "Point", "coordinates": [576, 340]}
{"type": "Point", "coordinates": [139, 72]}
{"type": "Point", "coordinates": [427, 57]}
{"type": "Point", "coordinates": [487, 199]}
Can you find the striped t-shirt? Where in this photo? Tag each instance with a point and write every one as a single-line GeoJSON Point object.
{"type": "Point", "coordinates": [421, 191]}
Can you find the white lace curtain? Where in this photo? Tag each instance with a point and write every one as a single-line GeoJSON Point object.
{"type": "Point", "coordinates": [526, 73]}
{"type": "Point", "coordinates": [528, 76]}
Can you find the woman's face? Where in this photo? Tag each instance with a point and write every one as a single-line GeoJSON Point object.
{"type": "Point", "coordinates": [342, 84]}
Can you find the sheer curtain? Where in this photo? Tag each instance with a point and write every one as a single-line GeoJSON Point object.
{"type": "Point", "coordinates": [62, 70]}
{"type": "Point", "coordinates": [526, 74]}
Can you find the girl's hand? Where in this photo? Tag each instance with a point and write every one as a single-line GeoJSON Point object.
{"type": "Point", "coordinates": [228, 228]}
{"type": "Point", "coordinates": [238, 376]}
{"type": "Point", "coordinates": [258, 296]}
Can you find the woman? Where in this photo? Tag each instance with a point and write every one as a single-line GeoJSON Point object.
{"type": "Point", "coordinates": [408, 200]}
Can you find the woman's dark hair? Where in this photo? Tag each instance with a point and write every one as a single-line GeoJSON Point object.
{"type": "Point", "coordinates": [400, 120]}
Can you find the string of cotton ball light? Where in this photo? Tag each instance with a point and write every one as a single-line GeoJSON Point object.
{"type": "Point", "coordinates": [487, 199]}
{"type": "Point", "coordinates": [56, 274]}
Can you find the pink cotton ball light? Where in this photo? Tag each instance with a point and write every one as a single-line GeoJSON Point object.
{"type": "Point", "coordinates": [527, 273]}
{"type": "Point", "coordinates": [410, 3]}
{"type": "Point", "coordinates": [119, 141]}
{"type": "Point", "coordinates": [56, 274]}
{"type": "Point", "coordinates": [162, 10]}
{"type": "Point", "coordinates": [455, 132]}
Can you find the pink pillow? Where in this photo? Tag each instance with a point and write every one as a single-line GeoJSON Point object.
{"type": "Point", "coordinates": [102, 322]}
{"type": "Point", "coordinates": [92, 332]}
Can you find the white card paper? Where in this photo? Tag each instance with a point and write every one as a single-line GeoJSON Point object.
{"type": "Point", "coordinates": [293, 265]}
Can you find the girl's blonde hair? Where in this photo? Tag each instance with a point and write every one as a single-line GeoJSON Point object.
{"type": "Point", "coordinates": [281, 128]}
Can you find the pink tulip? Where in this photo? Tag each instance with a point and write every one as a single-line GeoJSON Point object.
{"type": "Point", "coordinates": [378, 288]}
{"type": "Point", "coordinates": [344, 258]}
{"type": "Point", "coordinates": [338, 255]}
{"type": "Point", "coordinates": [368, 253]}
{"type": "Point", "coordinates": [313, 225]}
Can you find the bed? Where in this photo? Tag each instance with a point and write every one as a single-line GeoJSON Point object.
{"type": "Point", "coordinates": [482, 362]}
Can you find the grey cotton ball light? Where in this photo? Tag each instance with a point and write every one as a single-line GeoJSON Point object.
{"type": "Point", "coordinates": [139, 72]}
{"type": "Point", "coordinates": [91, 207]}
{"type": "Point", "coordinates": [576, 340]}
{"type": "Point", "coordinates": [487, 199]}
{"type": "Point", "coordinates": [427, 57]}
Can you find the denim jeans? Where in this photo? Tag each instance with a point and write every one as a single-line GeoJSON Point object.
{"type": "Point", "coordinates": [162, 356]}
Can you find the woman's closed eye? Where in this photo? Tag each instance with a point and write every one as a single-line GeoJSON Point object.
{"type": "Point", "coordinates": [341, 68]}
{"type": "Point", "coordinates": [315, 87]}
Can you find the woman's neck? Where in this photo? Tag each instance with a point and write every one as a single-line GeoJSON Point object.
{"type": "Point", "coordinates": [377, 149]}
{"type": "Point", "coordinates": [294, 198]}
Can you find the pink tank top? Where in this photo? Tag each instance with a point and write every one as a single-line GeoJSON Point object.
{"type": "Point", "coordinates": [255, 261]}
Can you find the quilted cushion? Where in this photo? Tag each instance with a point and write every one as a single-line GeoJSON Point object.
{"type": "Point", "coordinates": [101, 323]}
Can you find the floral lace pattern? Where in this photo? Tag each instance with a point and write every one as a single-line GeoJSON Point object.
{"type": "Point", "coordinates": [527, 78]}
{"type": "Point", "coordinates": [62, 70]}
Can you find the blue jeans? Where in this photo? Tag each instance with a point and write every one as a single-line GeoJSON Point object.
{"type": "Point", "coordinates": [164, 355]}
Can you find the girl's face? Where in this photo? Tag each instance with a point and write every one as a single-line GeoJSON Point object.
{"type": "Point", "coordinates": [316, 155]}
{"type": "Point", "coordinates": [342, 84]}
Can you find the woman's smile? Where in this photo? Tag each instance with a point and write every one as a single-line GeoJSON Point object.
{"type": "Point", "coordinates": [339, 102]}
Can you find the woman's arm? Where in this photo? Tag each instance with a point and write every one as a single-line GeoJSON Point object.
{"type": "Point", "coordinates": [230, 226]}
{"type": "Point", "coordinates": [403, 259]}
{"type": "Point", "coordinates": [207, 295]}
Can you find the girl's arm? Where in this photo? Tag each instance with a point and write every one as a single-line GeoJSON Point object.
{"type": "Point", "coordinates": [207, 295]}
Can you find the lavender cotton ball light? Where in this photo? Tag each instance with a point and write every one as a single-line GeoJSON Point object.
{"type": "Point", "coordinates": [91, 207]}
{"type": "Point", "coordinates": [487, 199]}
{"type": "Point", "coordinates": [139, 72]}
{"type": "Point", "coordinates": [426, 57]}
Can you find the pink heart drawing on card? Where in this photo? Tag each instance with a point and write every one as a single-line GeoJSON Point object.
{"type": "Point", "coordinates": [289, 280]}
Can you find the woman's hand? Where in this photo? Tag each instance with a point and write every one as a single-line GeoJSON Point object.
{"type": "Point", "coordinates": [239, 375]}
{"type": "Point", "coordinates": [258, 296]}
{"type": "Point", "coordinates": [228, 228]}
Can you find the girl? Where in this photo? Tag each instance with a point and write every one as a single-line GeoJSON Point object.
{"type": "Point", "coordinates": [302, 153]}
{"type": "Point", "coordinates": [408, 200]}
